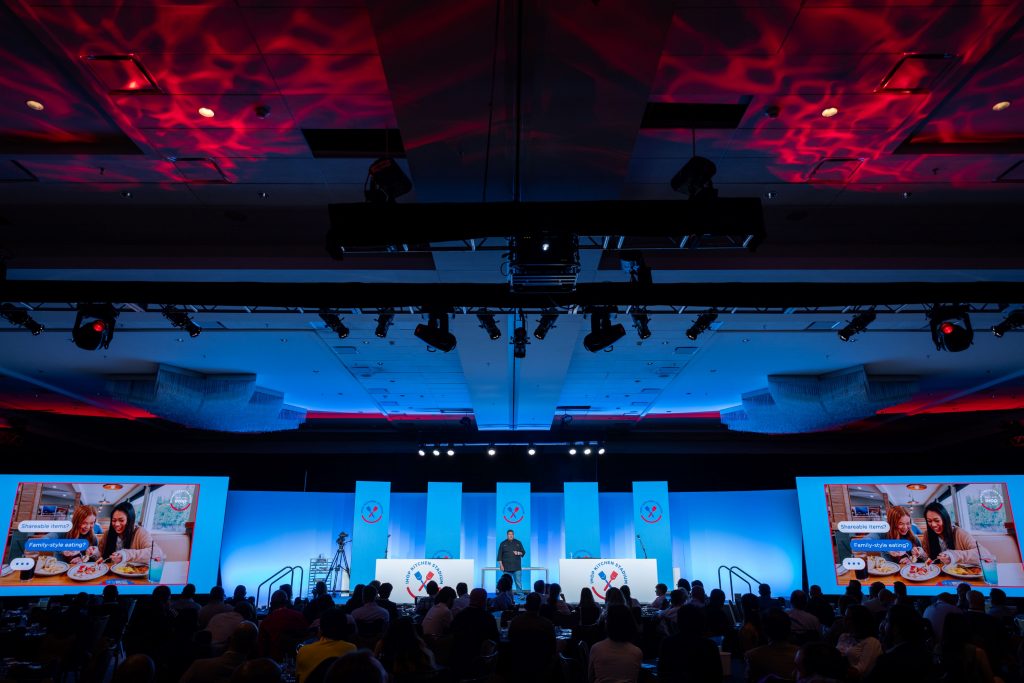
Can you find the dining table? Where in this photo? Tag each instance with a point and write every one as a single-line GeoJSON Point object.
{"type": "Point", "coordinates": [175, 573]}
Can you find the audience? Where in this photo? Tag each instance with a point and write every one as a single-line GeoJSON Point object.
{"type": "Point", "coordinates": [689, 655]}
{"type": "Point", "coordinates": [384, 600]}
{"type": "Point", "coordinates": [426, 603]}
{"type": "Point", "coordinates": [937, 612]}
{"type": "Point", "coordinates": [531, 640]}
{"type": "Point", "coordinates": [778, 656]}
{"type": "Point", "coordinates": [859, 645]}
{"type": "Point", "coordinates": [403, 652]}
{"type": "Point", "coordinates": [903, 637]}
{"type": "Point", "coordinates": [462, 597]}
{"type": "Point", "coordinates": [660, 596]}
{"type": "Point", "coordinates": [356, 667]}
{"type": "Point", "coordinates": [590, 612]}
{"type": "Point", "coordinates": [215, 605]}
{"type": "Point", "coordinates": [439, 619]}
{"type": "Point", "coordinates": [371, 618]}
{"type": "Point", "coordinates": [805, 626]}
{"type": "Point", "coordinates": [262, 670]}
{"type": "Point", "coordinates": [223, 625]}
{"type": "Point", "coordinates": [186, 601]}
{"type": "Point", "coordinates": [822, 608]}
{"type": "Point", "coordinates": [282, 628]}
{"type": "Point", "coordinates": [241, 647]}
{"type": "Point", "coordinates": [616, 659]}
{"type": "Point", "coordinates": [135, 669]}
{"type": "Point", "coordinates": [504, 598]}
{"type": "Point", "coordinates": [319, 602]}
{"type": "Point", "coordinates": [336, 638]}
{"type": "Point", "coordinates": [765, 601]}
{"type": "Point", "coordinates": [471, 629]}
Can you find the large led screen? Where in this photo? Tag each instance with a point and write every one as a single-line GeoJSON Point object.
{"type": "Point", "coordinates": [80, 533]}
{"type": "Point", "coordinates": [931, 533]}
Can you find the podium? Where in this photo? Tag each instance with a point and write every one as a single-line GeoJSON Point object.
{"type": "Point", "coordinates": [410, 577]}
{"type": "Point", "coordinates": [598, 575]}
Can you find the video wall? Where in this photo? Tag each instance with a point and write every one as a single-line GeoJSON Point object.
{"type": "Point", "coordinates": [931, 533]}
{"type": "Point", "coordinates": [80, 533]}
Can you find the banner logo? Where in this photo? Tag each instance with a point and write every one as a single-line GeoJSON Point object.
{"type": "Point", "coordinates": [650, 511]}
{"type": "Point", "coordinates": [419, 575]}
{"type": "Point", "coordinates": [181, 500]}
{"type": "Point", "coordinates": [991, 500]}
{"type": "Point", "coordinates": [513, 512]}
{"type": "Point", "coordinates": [607, 575]}
{"type": "Point", "coordinates": [372, 512]}
{"type": "Point", "coordinates": [441, 555]}
{"type": "Point", "coordinates": [582, 555]}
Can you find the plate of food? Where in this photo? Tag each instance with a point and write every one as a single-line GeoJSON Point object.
{"type": "Point", "coordinates": [879, 566]}
{"type": "Point", "coordinates": [88, 571]}
{"type": "Point", "coordinates": [840, 570]}
{"type": "Point", "coordinates": [131, 570]}
{"type": "Point", "coordinates": [50, 566]}
{"type": "Point", "coordinates": [962, 571]}
{"type": "Point", "coordinates": [919, 571]}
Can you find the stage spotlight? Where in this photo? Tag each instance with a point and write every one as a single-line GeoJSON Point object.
{"type": "Point", "coordinates": [694, 179]}
{"type": "Point", "coordinates": [436, 452]}
{"type": "Point", "coordinates": [531, 451]}
{"type": "Point", "coordinates": [421, 452]}
{"type": "Point", "coordinates": [451, 452]}
{"type": "Point", "coordinates": [602, 333]}
{"type": "Point", "coordinates": [20, 318]}
{"type": "Point", "coordinates": [488, 325]}
{"type": "Point", "coordinates": [519, 342]}
{"type": "Point", "coordinates": [641, 322]}
{"type": "Point", "coordinates": [385, 320]}
{"type": "Point", "coordinates": [586, 451]}
{"type": "Point", "coordinates": [600, 451]}
{"type": "Point", "coordinates": [859, 323]}
{"type": "Point", "coordinates": [701, 324]}
{"type": "Point", "coordinates": [633, 263]}
{"type": "Point", "coordinates": [1010, 322]}
{"type": "Point", "coordinates": [385, 181]}
{"type": "Point", "coordinates": [182, 320]}
{"type": "Point", "coordinates": [435, 332]}
{"type": "Point", "coordinates": [94, 326]}
{"type": "Point", "coordinates": [951, 328]}
{"type": "Point", "coordinates": [544, 325]}
{"type": "Point", "coordinates": [491, 451]}
{"type": "Point", "coordinates": [572, 451]}
{"type": "Point", "coordinates": [334, 324]}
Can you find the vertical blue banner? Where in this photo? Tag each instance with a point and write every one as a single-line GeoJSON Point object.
{"type": "Point", "coordinates": [513, 508]}
{"type": "Point", "coordinates": [444, 520]}
{"type": "Point", "coordinates": [652, 526]}
{"type": "Point", "coordinates": [369, 529]}
{"type": "Point", "coordinates": [582, 520]}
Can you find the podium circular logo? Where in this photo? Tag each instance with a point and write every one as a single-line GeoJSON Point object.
{"type": "Point", "coordinates": [650, 511]}
{"type": "Point", "coordinates": [180, 500]}
{"type": "Point", "coordinates": [442, 555]}
{"type": "Point", "coordinates": [419, 575]}
{"type": "Point", "coordinates": [513, 512]}
{"type": "Point", "coordinates": [372, 512]}
{"type": "Point", "coordinates": [991, 500]}
{"type": "Point", "coordinates": [605, 575]}
{"type": "Point", "coordinates": [582, 555]}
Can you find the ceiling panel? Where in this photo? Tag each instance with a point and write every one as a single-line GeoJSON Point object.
{"type": "Point", "coordinates": [729, 30]}
{"type": "Point", "coordinates": [311, 30]}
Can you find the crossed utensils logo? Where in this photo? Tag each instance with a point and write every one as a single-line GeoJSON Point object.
{"type": "Point", "coordinates": [606, 575]}
{"type": "Point", "coordinates": [372, 512]}
{"type": "Point", "coordinates": [512, 512]}
{"type": "Point", "coordinates": [650, 511]}
{"type": "Point", "coordinates": [419, 575]}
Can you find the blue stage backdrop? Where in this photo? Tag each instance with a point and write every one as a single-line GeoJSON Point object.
{"type": "Point", "coordinates": [444, 520]}
{"type": "Point", "coordinates": [370, 532]}
{"type": "Point", "coordinates": [652, 526]}
{"type": "Point", "coordinates": [513, 513]}
{"type": "Point", "coordinates": [756, 530]}
{"type": "Point", "coordinates": [582, 520]}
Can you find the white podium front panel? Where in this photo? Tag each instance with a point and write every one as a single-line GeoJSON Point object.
{"type": "Point", "coordinates": [410, 577]}
{"type": "Point", "coordinates": [599, 575]}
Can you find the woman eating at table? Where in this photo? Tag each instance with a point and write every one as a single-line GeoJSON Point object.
{"type": "Point", "coordinates": [82, 522]}
{"type": "Point", "coordinates": [124, 541]}
{"type": "Point", "coordinates": [946, 543]}
{"type": "Point", "coordinates": [900, 528]}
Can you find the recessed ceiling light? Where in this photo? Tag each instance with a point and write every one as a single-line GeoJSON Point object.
{"type": "Point", "coordinates": [600, 451]}
{"type": "Point", "coordinates": [126, 194]}
{"type": "Point", "coordinates": [206, 112]}
{"type": "Point", "coordinates": [36, 105]}
{"type": "Point", "coordinates": [421, 452]}
{"type": "Point", "coordinates": [586, 451]}
{"type": "Point", "coordinates": [436, 452]}
{"type": "Point", "coordinates": [998, 106]}
{"type": "Point", "coordinates": [829, 112]}
{"type": "Point", "coordinates": [451, 452]}
{"type": "Point", "coordinates": [532, 451]}
{"type": "Point", "coordinates": [491, 451]}
{"type": "Point", "coordinates": [572, 451]}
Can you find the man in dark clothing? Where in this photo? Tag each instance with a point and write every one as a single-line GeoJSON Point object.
{"type": "Point", "coordinates": [384, 600]}
{"type": "Point", "coordinates": [820, 607]}
{"type": "Point", "coordinates": [220, 669]}
{"type": "Point", "coordinates": [903, 636]}
{"type": "Point", "coordinates": [531, 639]}
{"type": "Point", "coordinates": [470, 628]}
{"type": "Point", "coordinates": [510, 558]}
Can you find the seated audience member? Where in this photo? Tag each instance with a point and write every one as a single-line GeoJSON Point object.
{"type": "Point", "coordinates": [114, 610]}
{"type": "Point", "coordinates": [854, 592]}
{"type": "Point", "coordinates": [540, 589]}
{"type": "Point", "coordinates": [669, 616]}
{"type": "Point", "coordinates": [425, 604]}
{"type": "Point", "coordinates": [903, 637]}
{"type": "Point", "coordinates": [590, 612]}
{"type": "Point", "coordinates": [241, 646]}
{"type": "Point", "coordinates": [820, 663]}
{"type": "Point", "coordinates": [616, 659]}
{"type": "Point", "coordinates": [719, 622]}
{"type": "Point", "coordinates": [461, 598]}
{"type": "Point", "coordinates": [749, 635]}
{"type": "Point", "coordinates": [1000, 609]}
{"type": "Point", "coordinates": [403, 652]}
{"type": "Point", "coordinates": [281, 629]}
{"type": "Point", "coordinates": [504, 599]}
{"type": "Point", "coordinates": [936, 613]}
{"type": "Point", "coordinates": [660, 596]}
{"type": "Point", "coordinates": [384, 600]}
{"type": "Point", "coordinates": [439, 618]}
{"type": "Point", "coordinates": [263, 670]}
{"type": "Point", "coordinates": [215, 605]}
{"type": "Point", "coordinates": [779, 655]}
{"type": "Point", "coordinates": [335, 641]}
{"type": "Point", "coordinates": [355, 598]}
{"type": "Point", "coordinates": [899, 591]}
{"type": "Point", "coordinates": [689, 655]}
{"type": "Point", "coordinates": [859, 645]}
{"type": "Point", "coordinates": [820, 607]}
{"type": "Point", "coordinates": [627, 593]}
{"type": "Point", "coordinates": [356, 667]}
{"type": "Point", "coordinates": [319, 602]}
{"type": "Point", "coordinates": [135, 669]}
{"type": "Point", "coordinates": [764, 598]}
{"type": "Point", "coordinates": [238, 595]}
{"type": "Point", "coordinates": [697, 596]}
{"type": "Point", "coordinates": [804, 625]}
{"type": "Point", "coordinates": [959, 657]}
{"type": "Point", "coordinates": [683, 584]}
{"type": "Point", "coordinates": [370, 618]}
{"type": "Point", "coordinates": [222, 625]}
{"type": "Point", "coordinates": [554, 604]}
{"type": "Point", "coordinates": [187, 600]}
{"type": "Point", "coordinates": [962, 590]}
{"type": "Point", "coordinates": [151, 626]}
{"type": "Point", "coordinates": [986, 630]}
{"type": "Point", "coordinates": [470, 629]}
{"type": "Point", "coordinates": [873, 603]}
{"type": "Point", "coordinates": [531, 637]}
